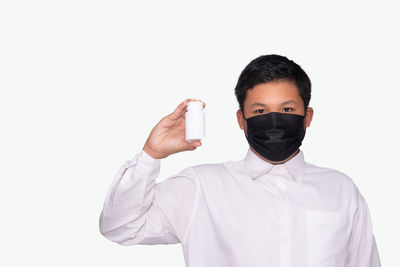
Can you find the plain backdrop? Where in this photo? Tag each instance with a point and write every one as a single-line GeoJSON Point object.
{"type": "Point", "coordinates": [84, 82]}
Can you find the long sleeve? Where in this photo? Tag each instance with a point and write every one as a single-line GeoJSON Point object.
{"type": "Point", "coordinates": [137, 210]}
{"type": "Point", "coordinates": [363, 251]}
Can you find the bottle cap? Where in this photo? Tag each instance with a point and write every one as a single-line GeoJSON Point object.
{"type": "Point", "coordinates": [195, 104]}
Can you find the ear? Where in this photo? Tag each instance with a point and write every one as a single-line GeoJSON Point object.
{"type": "Point", "coordinates": [309, 116]}
{"type": "Point", "coordinates": [239, 116]}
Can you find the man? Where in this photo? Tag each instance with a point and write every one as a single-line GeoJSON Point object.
{"type": "Point", "coordinates": [269, 209]}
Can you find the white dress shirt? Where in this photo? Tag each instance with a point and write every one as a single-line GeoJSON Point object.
{"type": "Point", "coordinates": [244, 213]}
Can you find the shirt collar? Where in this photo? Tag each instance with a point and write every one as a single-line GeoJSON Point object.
{"type": "Point", "coordinates": [257, 166]}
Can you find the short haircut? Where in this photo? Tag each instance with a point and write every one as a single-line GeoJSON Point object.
{"type": "Point", "coordinates": [268, 68]}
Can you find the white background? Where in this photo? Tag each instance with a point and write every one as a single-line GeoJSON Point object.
{"type": "Point", "coordinates": [84, 82]}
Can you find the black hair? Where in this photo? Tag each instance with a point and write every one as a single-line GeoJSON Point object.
{"type": "Point", "coordinates": [268, 68]}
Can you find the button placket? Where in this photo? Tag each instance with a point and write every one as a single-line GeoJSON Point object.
{"type": "Point", "coordinates": [285, 238]}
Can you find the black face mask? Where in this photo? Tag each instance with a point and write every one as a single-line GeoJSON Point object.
{"type": "Point", "coordinates": [275, 135]}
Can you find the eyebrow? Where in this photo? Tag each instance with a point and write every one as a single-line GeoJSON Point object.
{"type": "Point", "coordinates": [282, 104]}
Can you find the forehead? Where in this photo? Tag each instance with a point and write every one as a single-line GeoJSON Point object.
{"type": "Point", "coordinates": [273, 92]}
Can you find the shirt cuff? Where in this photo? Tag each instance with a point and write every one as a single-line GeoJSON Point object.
{"type": "Point", "coordinates": [146, 158]}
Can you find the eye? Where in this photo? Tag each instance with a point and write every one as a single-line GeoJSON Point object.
{"type": "Point", "coordinates": [286, 109]}
{"type": "Point", "coordinates": [258, 110]}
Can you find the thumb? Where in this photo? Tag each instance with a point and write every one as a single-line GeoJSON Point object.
{"type": "Point", "coordinates": [194, 144]}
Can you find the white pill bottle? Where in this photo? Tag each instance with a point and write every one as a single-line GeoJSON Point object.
{"type": "Point", "coordinates": [194, 121]}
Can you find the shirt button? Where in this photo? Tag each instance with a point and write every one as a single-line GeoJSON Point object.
{"type": "Point", "coordinates": [278, 168]}
{"type": "Point", "coordinates": [285, 238]}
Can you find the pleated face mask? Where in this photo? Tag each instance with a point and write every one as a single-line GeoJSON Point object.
{"type": "Point", "coordinates": [275, 135]}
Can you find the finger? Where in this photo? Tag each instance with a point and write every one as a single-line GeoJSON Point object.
{"type": "Point", "coordinates": [204, 104]}
{"type": "Point", "coordinates": [194, 144]}
{"type": "Point", "coordinates": [197, 143]}
{"type": "Point", "coordinates": [179, 111]}
{"type": "Point", "coordinates": [198, 100]}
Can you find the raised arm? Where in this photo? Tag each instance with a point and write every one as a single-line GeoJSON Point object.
{"type": "Point", "coordinates": [137, 210]}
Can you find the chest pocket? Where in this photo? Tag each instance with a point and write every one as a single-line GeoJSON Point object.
{"type": "Point", "coordinates": [327, 236]}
